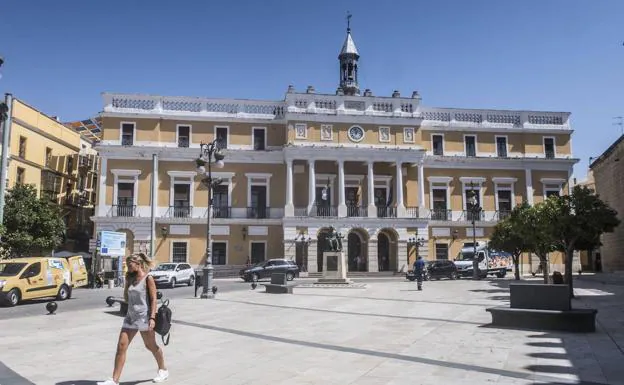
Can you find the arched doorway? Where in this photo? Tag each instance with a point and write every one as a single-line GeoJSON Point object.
{"type": "Point", "coordinates": [357, 259]}
{"type": "Point", "coordinates": [383, 252]}
{"type": "Point", "coordinates": [321, 247]}
{"type": "Point", "coordinates": [387, 249]}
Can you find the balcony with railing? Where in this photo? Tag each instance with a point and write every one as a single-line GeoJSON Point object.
{"type": "Point", "coordinates": [469, 215]}
{"type": "Point", "coordinates": [412, 212]}
{"type": "Point", "coordinates": [441, 215]}
{"type": "Point", "coordinates": [258, 212]}
{"type": "Point", "coordinates": [183, 142]}
{"type": "Point", "coordinates": [357, 211]}
{"type": "Point", "coordinates": [124, 210]}
{"type": "Point", "coordinates": [221, 212]}
{"type": "Point", "coordinates": [386, 212]}
{"type": "Point", "coordinates": [501, 214]}
{"type": "Point", "coordinates": [185, 211]}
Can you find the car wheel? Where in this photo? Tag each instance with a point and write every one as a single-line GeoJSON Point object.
{"type": "Point", "coordinates": [13, 297]}
{"type": "Point", "coordinates": [191, 280]}
{"type": "Point", "coordinates": [453, 276]}
{"type": "Point", "coordinates": [290, 276]}
{"type": "Point", "coordinates": [501, 275]}
{"type": "Point", "coordinates": [255, 277]}
{"type": "Point", "coordinates": [63, 293]}
{"type": "Point", "coordinates": [173, 283]}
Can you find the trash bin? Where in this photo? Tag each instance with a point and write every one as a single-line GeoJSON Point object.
{"type": "Point", "coordinates": [111, 283]}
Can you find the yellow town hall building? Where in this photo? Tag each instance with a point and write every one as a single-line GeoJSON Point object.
{"type": "Point", "coordinates": [384, 171]}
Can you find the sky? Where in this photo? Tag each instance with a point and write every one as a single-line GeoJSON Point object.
{"type": "Point", "coordinates": [551, 55]}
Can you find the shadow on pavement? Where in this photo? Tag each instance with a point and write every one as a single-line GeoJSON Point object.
{"type": "Point", "coordinates": [90, 382]}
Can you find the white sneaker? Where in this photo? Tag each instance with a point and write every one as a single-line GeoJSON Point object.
{"type": "Point", "coordinates": [108, 382]}
{"type": "Point", "coordinates": [161, 377]}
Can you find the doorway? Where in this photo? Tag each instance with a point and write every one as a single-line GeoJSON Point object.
{"type": "Point", "coordinates": [258, 252]}
{"type": "Point", "coordinates": [383, 252]}
{"type": "Point", "coordinates": [321, 247]}
{"type": "Point", "coordinates": [258, 207]}
{"type": "Point", "coordinates": [357, 259]}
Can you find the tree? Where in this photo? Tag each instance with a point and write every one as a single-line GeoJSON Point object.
{"type": "Point", "coordinates": [510, 235]}
{"type": "Point", "coordinates": [31, 225]}
{"type": "Point", "coordinates": [538, 235]}
{"type": "Point", "coordinates": [579, 219]}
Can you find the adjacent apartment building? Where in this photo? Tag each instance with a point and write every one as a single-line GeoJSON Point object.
{"type": "Point", "coordinates": [60, 163]}
{"type": "Point", "coordinates": [608, 175]}
{"type": "Point", "coordinates": [391, 174]}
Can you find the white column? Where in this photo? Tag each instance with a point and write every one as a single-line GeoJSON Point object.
{"type": "Point", "coordinates": [421, 189]}
{"type": "Point", "coordinates": [529, 186]}
{"type": "Point", "coordinates": [342, 207]}
{"type": "Point", "coordinates": [311, 185]}
{"type": "Point", "coordinates": [154, 205]}
{"type": "Point", "coordinates": [399, 190]}
{"type": "Point", "coordinates": [289, 210]}
{"type": "Point", "coordinates": [101, 190]}
{"type": "Point", "coordinates": [372, 210]}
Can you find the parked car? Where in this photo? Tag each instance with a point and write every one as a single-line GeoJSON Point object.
{"type": "Point", "coordinates": [441, 268]}
{"type": "Point", "coordinates": [264, 269]}
{"type": "Point", "coordinates": [171, 274]}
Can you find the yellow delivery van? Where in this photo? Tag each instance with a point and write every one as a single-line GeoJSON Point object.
{"type": "Point", "coordinates": [40, 277]}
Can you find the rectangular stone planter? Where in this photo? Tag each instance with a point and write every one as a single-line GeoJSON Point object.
{"type": "Point", "coordinates": [577, 320]}
{"type": "Point", "coordinates": [539, 296]}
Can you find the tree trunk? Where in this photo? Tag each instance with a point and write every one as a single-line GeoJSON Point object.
{"type": "Point", "coordinates": [516, 261]}
{"type": "Point", "coordinates": [569, 256]}
{"type": "Point", "coordinates": [545, 269]}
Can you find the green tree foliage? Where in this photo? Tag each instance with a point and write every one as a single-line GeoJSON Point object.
{"type": "Point", "coordinates": [577, 222]}
{"type": "Point", "coordinates": [31, 225]}
{"type": "Point", "coordinates": [538, 236]}
{"type": "Point", "coordinates": [512, 233]}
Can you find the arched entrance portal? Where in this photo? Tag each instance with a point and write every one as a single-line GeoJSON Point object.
{"type": "Point", "coordinates": [387, 250]}
{"type": "Point", "coordinates": [358, 253]}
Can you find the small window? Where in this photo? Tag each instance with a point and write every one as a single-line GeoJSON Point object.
{"type": "Point", "coordinates": [438, 144]}
{"type": "Point", "coordinates": [22, 147]}
{"type": "Point", "coordinates": [549, 148]}
{"type": "Point", "coordinates": [471, 145]}
{"type": "Point", "coordinates": [441, 250]}
{"type": "Point", "coordinates": [70, 164]}
{"type": "Point", "coordinates": [184, 136]}
{"type": "Point", "coordinates": [552, 191]}
{"type": "Point", "coordinates": [179, 252]}
{"type": "Point", "coordinates": [127, 134]}
{"type": "Point", "coordinates": [259, 141]}
{"type": "Point", "coordinates": [21, 173]}
{"type": "Point", "coordinates": [221, 134]}
{"type": "Point", "coordinates": [501, 146]}
{"type": "Point", "coordinates": [48, 157]}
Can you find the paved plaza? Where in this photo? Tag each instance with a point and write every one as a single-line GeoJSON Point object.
{"type": "Point", "coordinates": [386, 333]}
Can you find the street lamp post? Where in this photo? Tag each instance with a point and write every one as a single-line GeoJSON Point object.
{"type": "Point", "coordinates": [304, 242]}
{"type": "Point", "coordinates": [209, 153]}
{"type": "Point", "coordinates": [474, 210]}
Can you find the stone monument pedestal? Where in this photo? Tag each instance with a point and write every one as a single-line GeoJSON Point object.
{"type": "Point", "coordinates": [334, 268]}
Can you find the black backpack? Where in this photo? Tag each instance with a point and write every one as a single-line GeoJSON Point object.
{"type": "Point", "coordinates": [163, 321]}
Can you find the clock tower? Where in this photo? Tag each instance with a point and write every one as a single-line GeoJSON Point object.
{"type": "Point", "coordinates": [348, 58]}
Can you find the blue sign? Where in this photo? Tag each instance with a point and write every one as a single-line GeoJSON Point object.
{"type": "Point", "coordinates": [113, 244]}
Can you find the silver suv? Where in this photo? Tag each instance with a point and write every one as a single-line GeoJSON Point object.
{"type": "Point", "coordinates": [171, 274]}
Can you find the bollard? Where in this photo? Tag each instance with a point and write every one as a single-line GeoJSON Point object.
{"type": "Point", "coordinates": [51, 308]}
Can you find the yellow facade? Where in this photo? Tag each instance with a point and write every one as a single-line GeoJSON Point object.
{"type": "Point", "coordinates": [54, 159]}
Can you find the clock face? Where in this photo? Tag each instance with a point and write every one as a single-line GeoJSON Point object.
{"type": "Point", "coordinates": [356, 133]}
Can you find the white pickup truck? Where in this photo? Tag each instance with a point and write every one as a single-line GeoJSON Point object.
{"type": "Point", "coordinates": [491, 262]}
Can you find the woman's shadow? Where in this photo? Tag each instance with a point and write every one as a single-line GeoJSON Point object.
{"type": "Point", "coordinates": [88, 382]}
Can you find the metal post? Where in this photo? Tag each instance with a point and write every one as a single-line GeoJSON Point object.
{"type": "Point", "coordinates": [4, 161]}
{"type": "Point", "coordinates": [154, 192]}
{"type": "Point", "coordinates": [475, 261]}
{"type": "Point", "coordinates": [208, 269]}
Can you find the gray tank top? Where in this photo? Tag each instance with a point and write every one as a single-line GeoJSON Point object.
{"type": "Point", "coordinates": [137, 301]}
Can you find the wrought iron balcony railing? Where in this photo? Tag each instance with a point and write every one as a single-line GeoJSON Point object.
{"type": "Point", "coordinates": [441, 215]}
{"type": "Point", "coordinates": [124, 210]}
{"type": "Point", "coordinates": [386, 212]}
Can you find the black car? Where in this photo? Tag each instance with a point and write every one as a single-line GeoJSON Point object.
{"type": "Point", "coordinates": [437, 269]}
{"type": "Point", "coordinates": [264, 269]}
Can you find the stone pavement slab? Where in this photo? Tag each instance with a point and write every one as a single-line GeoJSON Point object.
{"type": "Point", "coordinates": [387, 333]}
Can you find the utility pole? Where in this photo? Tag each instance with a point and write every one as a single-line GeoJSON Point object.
{"type": "Point", "coordinates": [5, 119]}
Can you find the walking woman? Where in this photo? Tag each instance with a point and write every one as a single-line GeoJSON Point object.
{"type": "Point", "coordinates": [141, 317]}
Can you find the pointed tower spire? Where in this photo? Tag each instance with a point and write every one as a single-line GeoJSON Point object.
{"type": "Point", "coordinates": [348, 59]}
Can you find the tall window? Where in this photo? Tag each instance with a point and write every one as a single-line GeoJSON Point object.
{"type": "Point", "coordinates": [127, 134]}
{"type": "Point", "coordinates": [48, 157]}
{"type": "Point", "coordinates": [22, 147]}
{"type": "Point", "coordinates": [437, 144]}
{"type": "Point", "coordinates": [125, 199]}
{"type": "Point", "coordinates": [504, 203]}
{"type": "Point", "coordinates": [471, 145]}
{"type": "Point", "coordinates": [219, 253]}
{"type": "Point", "coordinates": [258, 139]}
{"type": "Point", "coordinates": [19, 178]}
{"type": "Point", "coordinates": [70, 164]}
{"type": "Point", "coordinates": [501, 146]}
{"type": "Point", "coordinates": [440, 205]}
{"type": "Point", "coordinates": [441, 251]}
{"type": "Point", "coordinates": [179, 252]}
{"type": "Point", "coordinates": [184, 136]}
{"type": "Point", "coordinates": [220, 204]}
{"type": "Point", "coordinates": [181, 200]}
{"type": "Point", "coordinates": [549, 148]}
{"type": "Point", "coordinates": [221, 134]}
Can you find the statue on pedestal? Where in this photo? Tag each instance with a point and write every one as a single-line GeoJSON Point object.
{"type": "Point", "coordinates": [334, 240]}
